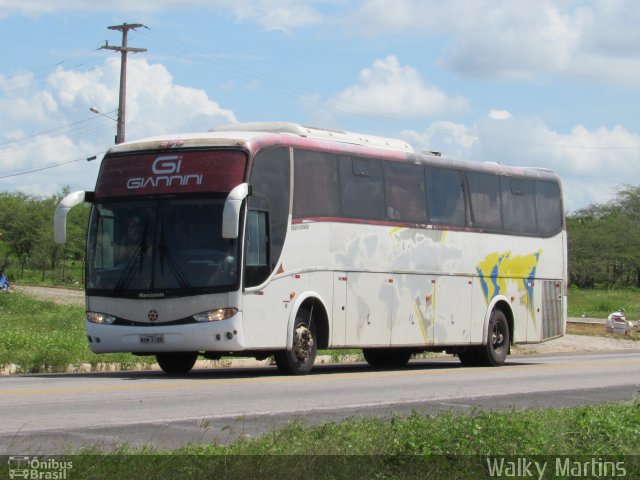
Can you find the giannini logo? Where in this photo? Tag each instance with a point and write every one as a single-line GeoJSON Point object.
{"type": "Point", "coordinates": [166, 172]}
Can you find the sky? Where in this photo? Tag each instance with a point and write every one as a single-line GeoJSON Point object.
{"type": "Point", "coordinates": [546, 83]}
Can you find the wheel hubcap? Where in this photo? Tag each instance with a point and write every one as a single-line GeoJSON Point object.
{"type": "Point", "coordinates": [497, 337]}
{"type": "Point", "coordinates": [303, 343]}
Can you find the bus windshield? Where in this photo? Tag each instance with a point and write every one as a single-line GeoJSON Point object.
{"type": "Point", "coordinates": [160, 248]}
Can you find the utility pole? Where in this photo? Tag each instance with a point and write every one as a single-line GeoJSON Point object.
{"type": "Point", "coordinates": [124, 49]}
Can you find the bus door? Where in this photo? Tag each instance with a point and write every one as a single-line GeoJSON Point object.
{"type": "Point", "coordinates": [369, 297]}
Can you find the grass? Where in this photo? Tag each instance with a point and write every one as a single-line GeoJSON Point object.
{"type": "Point", "coordinates": [70, 277]}
{"type": "Point", "coordinates": [600, 303]}
{"type": "Point", "coordinates": [38, 336]}
{"type": "Point", "coordinates": [447, 445]}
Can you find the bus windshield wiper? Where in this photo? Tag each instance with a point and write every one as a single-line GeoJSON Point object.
{"type": "Point", "coordinates": [129, 271]}
{"type": "Point", "coordinates": [165, 253]}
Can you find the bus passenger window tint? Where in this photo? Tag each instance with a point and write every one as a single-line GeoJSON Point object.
{"type": "Point", "coordinates": [518, 205]}
{"type": "Point", "coordinates": [362, 188]}
{"type": "Point", "coordinates": [317, 191]}
{"type": "Point", "coordinates": [484, 196]}
{"type": "Point", "coordinates": [548, 207]}
{"type": "Point", "coordinates": [270, 181]}
{"type": "Point", "coordinates": [404, 192]}
{"type": "Point", "coordinates": [445, 197]}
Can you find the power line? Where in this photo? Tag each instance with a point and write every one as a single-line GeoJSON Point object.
{"type": "Point", "coordinates": [47, 167]}
{"type": "Point", "coordinates": [45, 132]}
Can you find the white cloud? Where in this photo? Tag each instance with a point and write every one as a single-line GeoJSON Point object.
{"type": "Point", "coordinates": [283, 15]}
{"type": "Point", "coordinates": [452, 139]}
{"type": "Point", "coordinates": [591, 162]}
{"type": "Point", "coordinates": [596, 39]}
{"type": "Point", "coordinates": [155, 105]}
{"type": "Point", "coordinates": [499, 115]}
{"type": "Point", "coordinates": [523, 39]}
{"type": "Point", "coordinates": [388, 89]}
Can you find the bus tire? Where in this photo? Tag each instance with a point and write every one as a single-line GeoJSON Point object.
{"type": "Point", "coordinates": [178, 363]}
{"type": "Point", "coordinates": [468, 357]}
{"type": "Point", "coordinates": [494, 353]}
{"type": "Point", "coordinates": [386, 357]}
{"type": "Point", "coordinates": [299, 360]}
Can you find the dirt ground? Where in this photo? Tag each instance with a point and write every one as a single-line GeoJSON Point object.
{"type": "Point", "coordinates": [584, 337]}
{"type": "Point", "coordinates": [580, 337]}
{"type": "Point", "coordinates": [64, 296]}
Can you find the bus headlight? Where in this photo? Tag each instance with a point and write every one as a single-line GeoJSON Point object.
{"type": "Point", "coordinates": [215, 315]}
{"type": "Point", "coordinates": [101, 318]}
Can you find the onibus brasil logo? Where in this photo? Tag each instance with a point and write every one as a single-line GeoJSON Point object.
{"type": "Point", "coordinates": [36, 469]}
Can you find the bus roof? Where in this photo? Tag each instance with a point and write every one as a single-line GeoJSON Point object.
{"type": "Point", "coordinates": [318, 134]}
{"type": "Point", "coordinates": [246, 132]}
{"type": "Point", "coordinates": [251, 135]}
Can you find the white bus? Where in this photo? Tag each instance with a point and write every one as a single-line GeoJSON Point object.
{"type": "Point", "coordinates": [276, 239]}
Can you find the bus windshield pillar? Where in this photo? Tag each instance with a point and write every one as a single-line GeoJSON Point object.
{"type": "Point", "coordinates": [231, 211]}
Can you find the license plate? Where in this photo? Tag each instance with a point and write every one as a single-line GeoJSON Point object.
{"type": "Point", "coordinates": [151, 339]}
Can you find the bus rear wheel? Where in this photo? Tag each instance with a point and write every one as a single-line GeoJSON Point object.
{"type": "Point", "coordinates": [386, 357]}
{"type": "Point", "coordinates": [494, 353]}
{"type": "Point", "coordinates": [300, 359]}
{"type": "Point", "coordinates": [177, 363]}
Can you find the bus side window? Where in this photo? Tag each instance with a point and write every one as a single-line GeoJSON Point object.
{"type": "Point", "coordinates": [484, 196]}
{"type": "Point", "coordinates": [445, 197]}
{"type": "Point", "coordinates": [548, 207]}
{"type": "Point", "coordinates": [404, 189]}
{"type": "Point", "coordinates": [362, 188]}
{"type": "Point", "coordinates": [270, 182]}
{"type": "Point", "coordinates": [518, 205]}
{"type": "Point", "coordinates": [257, 266]}
{"type": "Point", "coordinates": [317, 190]}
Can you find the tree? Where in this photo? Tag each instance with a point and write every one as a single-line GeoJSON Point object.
{"type": "Point", "coordinates": [604, 241]}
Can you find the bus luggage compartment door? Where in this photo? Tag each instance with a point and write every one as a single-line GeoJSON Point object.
{"type": "Point", "coordinates": [369, 297]}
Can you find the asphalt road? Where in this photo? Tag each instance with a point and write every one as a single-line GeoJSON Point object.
{"type": "Point", "coordinates": [55, 414]}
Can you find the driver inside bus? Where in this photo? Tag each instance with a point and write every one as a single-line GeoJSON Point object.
{"type": "Point", "coordinates": [131, 240]}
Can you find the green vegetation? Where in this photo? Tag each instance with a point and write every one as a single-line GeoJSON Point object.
{"type": "Point", "coordinates": [28, 253]}
{"type": "Point", "coordinates": [590, 430]}
{"type": "Point", "coordinates": [447, 445]}
{"type": "Point", "coordinates": [604, 241]}
{"type": "Point", "coordinates": [46, 337]}
{"type": "Point", "coordinates": [594, 303]}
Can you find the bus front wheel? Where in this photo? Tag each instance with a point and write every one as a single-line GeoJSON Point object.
{"type": "Point", "coordinates": [177, 362]}
{"type": "Point", "coordinates": [299, 360]}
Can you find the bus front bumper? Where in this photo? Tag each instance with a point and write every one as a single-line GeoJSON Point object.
{"type": "Point", "coordinates": [224, 336]}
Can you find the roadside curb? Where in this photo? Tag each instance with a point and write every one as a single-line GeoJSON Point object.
{"type": "Point", "coordinates": [586, 320]}
{"type": "Point", "coordinates": [13, 369]}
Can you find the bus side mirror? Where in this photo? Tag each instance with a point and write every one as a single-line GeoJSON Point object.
{"type": "Point", "coordinates": [231, 211]}
{"type": "Point", "coordinates": [62, 210]}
